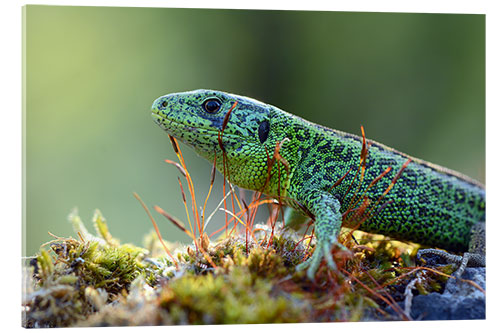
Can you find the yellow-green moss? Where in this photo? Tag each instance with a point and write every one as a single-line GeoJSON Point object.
{"type": "Point", "coordinates": [96, 281]}
{"type": "Point", "coordinates": [228, 299]}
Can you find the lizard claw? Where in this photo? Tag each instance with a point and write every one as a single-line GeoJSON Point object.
{"type": "Point", "coordinates": [323, 250]}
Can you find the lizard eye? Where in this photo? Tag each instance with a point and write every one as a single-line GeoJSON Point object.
{"type": "Point", "coordinates": [263, 131]}
{"type": "Point", "coordinates": [212, 105]}
{"type": "Point", "coordinates": [164, 104]}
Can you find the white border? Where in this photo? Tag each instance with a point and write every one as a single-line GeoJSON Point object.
{"type": "Point", "coordinates": [11, 193]}
{"type": "Point", "coordinates": [422, 6]}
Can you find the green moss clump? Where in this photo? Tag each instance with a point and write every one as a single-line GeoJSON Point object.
{"type": "Point", "coordinates": [79, 277]}
{"type": "Point", "coordinates": [57, 301]}
{"type": "Point", "coordinates": [236, 298]}
{"type": "Point", "coordinates": [96, 281]}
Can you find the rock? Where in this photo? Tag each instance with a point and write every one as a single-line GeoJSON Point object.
{"type": "Point", "coordinates": [460, 300]}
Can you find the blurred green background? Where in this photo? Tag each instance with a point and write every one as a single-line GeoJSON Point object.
{"type": "Point", "coordinates": [416, 82]}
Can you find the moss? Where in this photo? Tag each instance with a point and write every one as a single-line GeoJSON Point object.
{"type": "Point", "coordinates": [57, 301]}
{"type": "Point", "coordinates": [228, 299]}
{"type": "Point", "coordinates": [97, 281]}
{"type": "Point", "coordinates": [66, 283]}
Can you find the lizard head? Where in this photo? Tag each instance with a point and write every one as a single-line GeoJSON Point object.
{"type": "Point", "coordinates": [197, 117]}
{"type": "Point", "coordinates": [249, 130]}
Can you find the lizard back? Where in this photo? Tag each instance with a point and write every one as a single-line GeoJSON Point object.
{"type": "Point", "coordinates": [428, 204]}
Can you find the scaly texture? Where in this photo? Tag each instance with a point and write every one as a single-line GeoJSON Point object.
{"type": "Point", "coordinates": [317, 171]}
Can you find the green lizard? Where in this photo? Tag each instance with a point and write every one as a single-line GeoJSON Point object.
{"type": "Point", "coordinates": [316, 171]}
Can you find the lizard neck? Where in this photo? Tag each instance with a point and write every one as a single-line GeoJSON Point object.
{"type": "Point", "coordinates": [268, 167]}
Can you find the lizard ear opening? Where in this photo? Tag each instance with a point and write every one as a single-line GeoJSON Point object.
{"type": "Point", "coordinates": [263, 131]}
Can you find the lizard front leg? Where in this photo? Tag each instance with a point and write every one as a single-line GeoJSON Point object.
{"type": "Point", "coordinates": [327, 220]}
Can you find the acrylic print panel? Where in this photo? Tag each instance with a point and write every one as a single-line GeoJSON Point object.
{"type": "Point", "coordinates": [94, 156]}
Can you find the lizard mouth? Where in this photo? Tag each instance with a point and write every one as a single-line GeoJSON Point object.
{"type": "Point", "coordinates": [169, 124]}
{"type": "Point", "coordinates": [172, 126]}
{"type": "Point", "coordinates": [179, 129]}
{"type": "Point", "coordinates": [201, 139]}
{"type": "Point", "coordinates": [157, 118]}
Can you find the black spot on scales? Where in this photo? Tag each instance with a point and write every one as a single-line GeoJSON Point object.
{"type": "Point", "coordinates": [338, 149]}
{"type": "Point", "coordinates": [347, 157]}
{"type": "Point", "coordinates": [299, 137]}
{"type": "Point", "coordinates": [472, 203]}
{"type": "Point", "coordinates": [302, 150]}
{"type": "Point", "coordinates": [317, 168]}
{"type": "Point", "coordinates": [263, 131]}
{"type": "Point", "coordinates": [409, 178]}
{"type": "Point", "coordinates": [306, 176]}
{"type": "Point", "coordinates": [459, 196]}
{"type": "Point", "coordinates": [331, 169]}
{"type": "Point", "coordinates": [437, 183]}
{"type": "Point", "coordinates": [311, 163]}
{"type": "Point", "coordinates": [325, 148]}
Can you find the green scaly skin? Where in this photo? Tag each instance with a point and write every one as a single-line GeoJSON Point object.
{"type": "Point", "coordinates": [428, 204]}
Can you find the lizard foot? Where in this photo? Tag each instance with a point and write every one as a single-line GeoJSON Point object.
{"type": "Point", "coordinates": [323, 250]}
{"type": "Point", "coordinates": [461, 262]}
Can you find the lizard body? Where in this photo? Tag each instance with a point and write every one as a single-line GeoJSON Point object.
{"type": "Point", "coordinates": [316, 172]}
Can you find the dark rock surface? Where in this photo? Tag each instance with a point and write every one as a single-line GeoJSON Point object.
{"type": "Point", "coordinates": [460, 300]}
